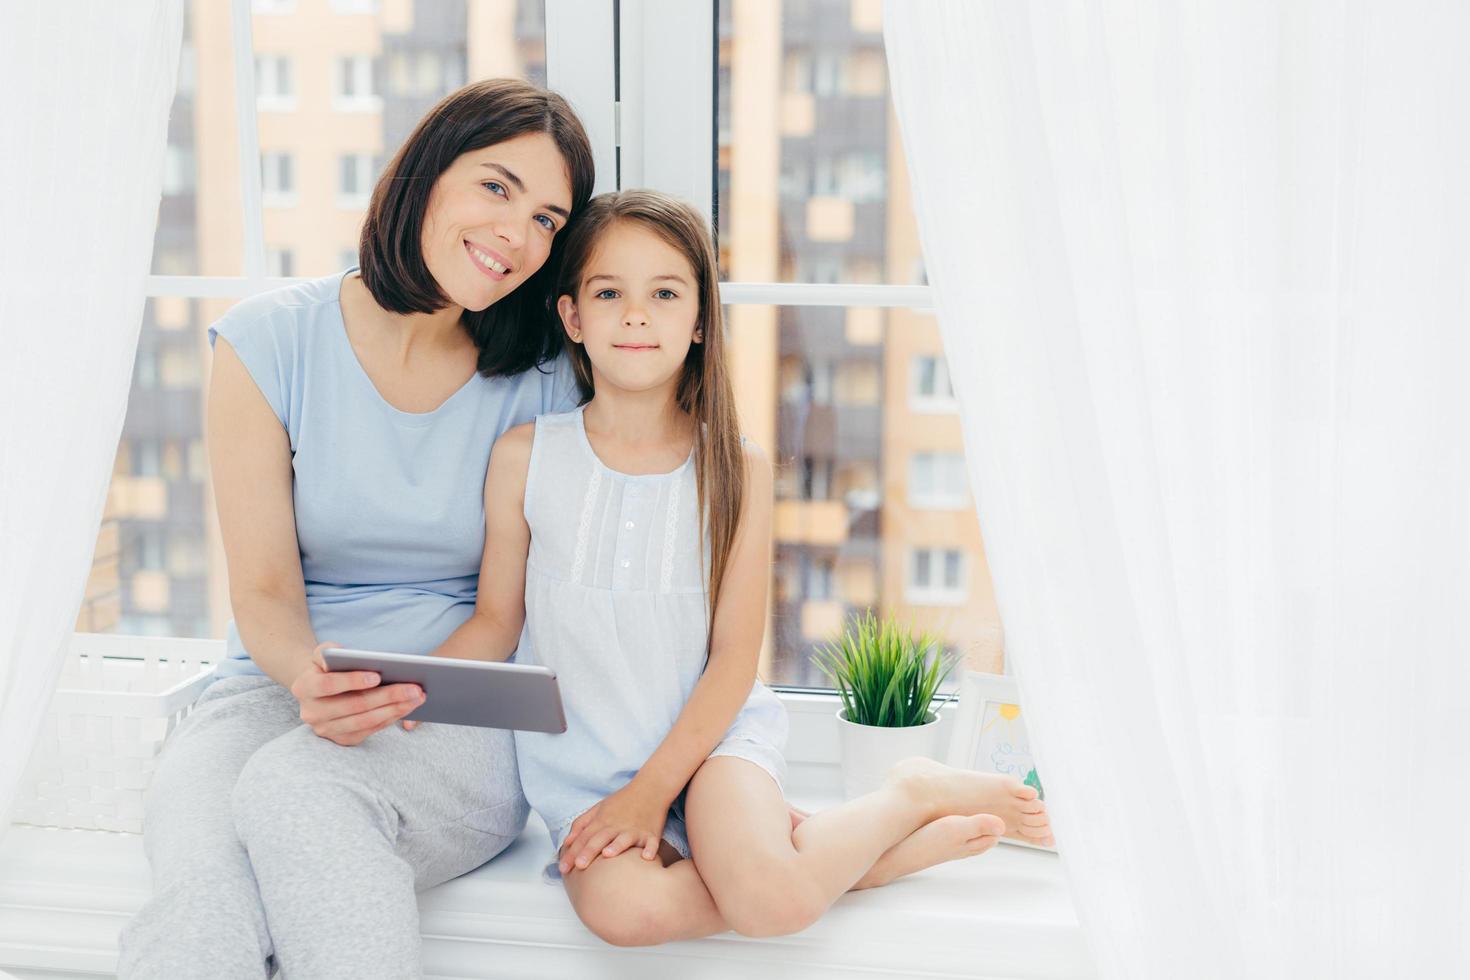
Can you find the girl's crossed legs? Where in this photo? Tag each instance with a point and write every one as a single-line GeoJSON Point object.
{"type": "Point", "coordinates": [753, 873]}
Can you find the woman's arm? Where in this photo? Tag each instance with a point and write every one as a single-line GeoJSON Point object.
{"type": "Point", "coordinates": [250, 460]}
{"type": "Point", "coordinates": [494, 630]}
{"type": "Point", "coordinates": [634, 816]}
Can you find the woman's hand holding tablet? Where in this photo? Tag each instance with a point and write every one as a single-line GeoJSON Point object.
{"type": "Point", "coordinates": [488, 694]}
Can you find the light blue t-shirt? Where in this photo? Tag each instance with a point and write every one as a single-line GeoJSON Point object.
{"type": "Point", "coordinates": [390, 516]}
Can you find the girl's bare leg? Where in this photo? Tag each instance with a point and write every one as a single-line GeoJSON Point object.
{"type": "Point", "coordinates": [937, 842]}
{"type": "Point", "coordinates": [631, 901]}
{"type": "Point", "coordinates": [768, 879]}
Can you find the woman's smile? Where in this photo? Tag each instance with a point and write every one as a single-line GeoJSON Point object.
{"type": "Point", "coordinates": [488, 261]}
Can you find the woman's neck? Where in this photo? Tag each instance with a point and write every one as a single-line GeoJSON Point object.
{"type": "Point", "coordinates": [403, 336]}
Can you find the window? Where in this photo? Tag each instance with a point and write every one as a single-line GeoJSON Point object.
{"type": "Point", "coordinates": [937, 481]}
{"type": "Point", "coordinates": [150, 549]}
{"type": "Point", "coordinates": [819, 578]}
{"type": "Point", "coordinates": [146, 458]}
{"type": "Point", "coordinates": [145, 369]}
{"type": "Point", "coordinates": [826, 305]}
{"type": "Point", "coordinates": [217, 242]}
{"type": "Point", "coordinates": [355, 175]}
{"type": "Point", "coordinates": [273, 89]}
{"type": "Point", "coordinates": [178, 171]}
{"type": "Point", "coordinates": [353, 87]}
{"type": "Point", "coordinates": [931, 391]}
{"type": "Point", "coordinates": [277, 179]}
{"type": "Point", "coordinates": [936, 577]}
{"type": "Point", "coordinates": [280, 262]}
{"type": "Point", "coordinates": [816, 478]}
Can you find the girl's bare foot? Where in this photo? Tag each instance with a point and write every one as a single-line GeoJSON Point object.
{"type": "Point", "coordinates": [946, 839]}
{"type": "Point", "coordinates": [941, 790]}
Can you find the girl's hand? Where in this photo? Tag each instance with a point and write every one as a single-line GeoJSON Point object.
{"type": "Point", "coordinates": [628, 818]}
{"type": "Point", "coordinates": [346, 706]}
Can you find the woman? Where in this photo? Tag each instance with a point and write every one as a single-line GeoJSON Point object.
{"type": "Point", "coordinates": [350, 422]}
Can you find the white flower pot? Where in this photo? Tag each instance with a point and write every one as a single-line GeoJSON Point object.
{"type": "Point", "coordinates": [869, 751]}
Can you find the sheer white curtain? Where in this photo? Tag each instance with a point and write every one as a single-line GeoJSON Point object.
{"type": "Point", "coordinates": [85, 90]}
{"type": "Point", "coordinates": [1203, 275]}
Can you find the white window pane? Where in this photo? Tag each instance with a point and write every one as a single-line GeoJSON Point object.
{"type": "Point", "coordinates": [870, 448]}
{"type": "Point", "coordinates": [922, 561]}
{"type": "Point", "coordinates": [951, 569]}
{"type": "Point", "coordinates": [191, 169]}
{"type": "Point", "coordinates": [827, 121]}
{"type": "Point", "coordinates": [198, 233]}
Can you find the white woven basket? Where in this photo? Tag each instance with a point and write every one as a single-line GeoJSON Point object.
{"type": "Point", "coordinates": [117, 700]}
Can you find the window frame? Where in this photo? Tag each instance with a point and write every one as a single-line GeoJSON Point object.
{"type": "Point", "coordinates": [361, 68]}
{"type": "Point", "coordinates": [938, 496]}
{"type": "Point", "coordinates": [658, 131]}
{"type": "Point", "coordinates": [934, 594]}
{"type": "Point", "coordinates": [281, 98]}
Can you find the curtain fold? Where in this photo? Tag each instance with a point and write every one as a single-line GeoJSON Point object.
{"type": "Point", "coordinates": [85, 91]}
{"type": "Point", "coordinates": [1202, 271]}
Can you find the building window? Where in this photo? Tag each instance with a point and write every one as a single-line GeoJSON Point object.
{"type": "Point", "coordinates": [146, 457]}
{"type": "Point", "coordinates": [818, 268]}
{"type": "Point", "coordinates": [353, 88]}
{"type": "Point", "coordinates": [817, 582]}
{"type": "Point", "coordinates": [145, 368]}
{"type": "Point", "coordinates": [828, 74]}
{"type": "Point", "coordinates": [936, 577]}
{"type": "Point", "coordinates": [274, 91]}
{"type": "Point", "coordinates": [354, 180]}
{"type": "Point", "coordinates": [816, 478]}
{"type": "Point", "coordinates": [150, 549]}
{"type": "Point", "coordinates": [280, 262]}
{"type": "Point", "coordinates": [347, 258]}
{"type": "Point", "coordinates": [178, 170]}
{"type": "Point", "coordinates": [930, 390]}
{"type": "Point", "coordinates": [937, 481]}
{"type": "Point", "coordinates": [277, 179]}
{"type": "Point", "coordinates": [820, 380]}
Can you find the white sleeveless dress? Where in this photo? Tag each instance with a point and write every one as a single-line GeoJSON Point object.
{"type": "Point", "coordinates": [615, 604]}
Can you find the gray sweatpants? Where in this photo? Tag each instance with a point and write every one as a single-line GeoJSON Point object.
{"type": "Point", "coordinates": [272, 846]}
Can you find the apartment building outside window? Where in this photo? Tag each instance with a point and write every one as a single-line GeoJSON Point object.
{"type": "Point", "coordinates": [354, 88]}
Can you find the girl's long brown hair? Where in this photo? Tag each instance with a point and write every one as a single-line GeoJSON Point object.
{"type": "Point", "coordinates": [704, 389]}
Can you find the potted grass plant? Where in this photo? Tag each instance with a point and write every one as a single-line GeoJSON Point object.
{"type": "Point", "coordinates": [887, 679]}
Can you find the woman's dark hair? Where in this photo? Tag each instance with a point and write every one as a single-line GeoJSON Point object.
{"type": "Point", "coordinates": [521, 330]}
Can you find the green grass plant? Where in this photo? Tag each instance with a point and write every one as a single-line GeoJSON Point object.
{"type": "Point", "coordinates": [885, 675]}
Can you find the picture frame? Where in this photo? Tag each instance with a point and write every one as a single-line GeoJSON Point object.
{"type": "Point", "coordinates": [990, 733]}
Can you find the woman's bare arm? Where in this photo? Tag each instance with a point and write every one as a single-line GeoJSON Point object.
{"type": "Point", "coordinates": [250, 460]}
{"type": "Point", "coordinates": [494, 630]}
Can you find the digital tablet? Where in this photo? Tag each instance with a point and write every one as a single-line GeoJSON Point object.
{"type": "Point", "coordinates": [488, 694]}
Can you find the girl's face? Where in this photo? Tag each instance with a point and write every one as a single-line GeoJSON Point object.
{"type": "Point", "coordinates": [491, 218]}
{"type": "Point", "coordinates": [637, 310]}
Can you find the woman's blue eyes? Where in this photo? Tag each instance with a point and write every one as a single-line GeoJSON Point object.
{"type": "Point", "coordinates": [496, 187]}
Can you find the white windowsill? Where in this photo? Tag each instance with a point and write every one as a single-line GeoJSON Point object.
{"type": "Point", "coordinates": [65, 894]}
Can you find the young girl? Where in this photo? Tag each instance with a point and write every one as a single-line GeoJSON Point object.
{"type": "Point", "coordinates": [631, 537]}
